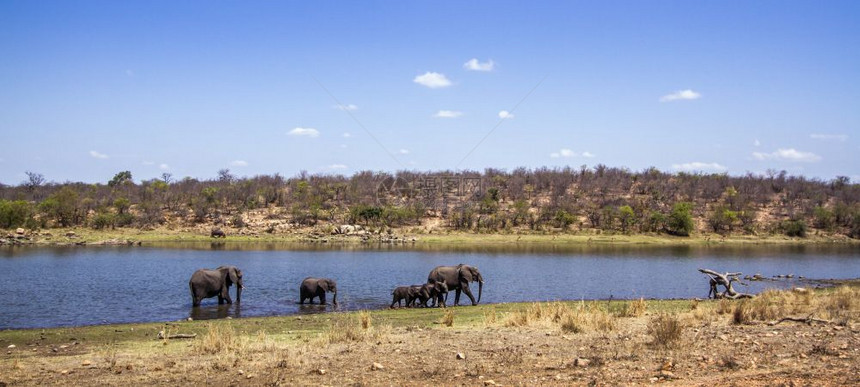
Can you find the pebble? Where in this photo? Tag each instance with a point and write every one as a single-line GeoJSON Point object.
{"type": "Point", "coordinates": [321, 371]}
{"type": "Point", "coordinates": [460, 356]}
{"type": "Point", "coordinates": [489, 382]}
{"type": "Point", "coordinates": [86, 363]}
{"type": "Point", "coordinates": [377, 367]}
{"type": "Point", "coordinates": [581, 362]}
{"type": "Point", "coordinates": [11, 346]}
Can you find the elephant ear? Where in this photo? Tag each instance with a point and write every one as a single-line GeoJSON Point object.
{"type": "Point", "coordinates": [323, 284]}
{"type": "Point", "coordinates": [234, 277]}
{"type": "Point", "coordinates": [466, 273]}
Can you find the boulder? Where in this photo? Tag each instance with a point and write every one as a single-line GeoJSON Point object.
{"type": "Point", "coordinates": [19, 231]}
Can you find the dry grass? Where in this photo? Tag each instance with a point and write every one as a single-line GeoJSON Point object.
{"type": "Point", "coordinates": [635, 308]}
{"type": "Point", "coordinates": [220, 338]}
{"type": "Point", "coordinates": [353, 328]}
{"type": "Point", "coordinates": [490, 316]}
{"type": "Point", "coordinates": [448, 318]}
{"type": "Point", "coordinates": [366, 319]}
{"type": "Point", "coordinates": [580, 318]}
{"type": "Point", "coordinates": [666, 331]}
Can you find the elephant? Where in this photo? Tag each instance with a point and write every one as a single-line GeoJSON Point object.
{"type": "Point", "coordinates": [457, 278]}
{"type": "Point", "coordinates": [317, 287]}
{"type": "Point", "coordinates": [217, 233]}
{"type": "Point", "coordinates": [207, 283]}
{"type": "Point", "coordinates": [432, 290]}
{"type": "Point", "coordinates": [401, 293]}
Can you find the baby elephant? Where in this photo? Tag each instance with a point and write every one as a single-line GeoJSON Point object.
{"type": "Point", "coordinates": [431, 291]}
{"type": "Point", "coordinates": [317, 287]}
{"type": "Point", "coordinates": [401, 293]}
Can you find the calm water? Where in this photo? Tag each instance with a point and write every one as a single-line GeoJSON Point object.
{"type": "Point", "coordinates": [48, 287]}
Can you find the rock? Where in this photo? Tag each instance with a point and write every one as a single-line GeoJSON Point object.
{"type": "Point", "coordinates": [241, 372]}
{"type": "Point", "coordinates": [71, 234]}
{"type": "Point", "coordinates": [581, 362]}
{"type": "Point", "coordinates": [377, 367]}
{"type": "Point", "coordinates": [489, 382]}
{"type": "Point", "coordinates": [667, 374]}
{"type": "Point", "coordinates": [190, 319]}
{"type": "Point", "coordinates": [461, 356]}
{"type": "Point", "coordinates": [19, 231]}
{"type": "Point", "coordinates": [321, 371]}
{"type": "Point", "coordinates": [86, 363]}
{"type": "Point", "coordinates": [11, 346]}
{"type": "Point", "coordinates": [64, 372]}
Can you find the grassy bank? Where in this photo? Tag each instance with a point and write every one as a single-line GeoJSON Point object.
{"type": "Point", "coordinates": [409, 236]}
{"type": "Point", "coordinates": [550, 343]}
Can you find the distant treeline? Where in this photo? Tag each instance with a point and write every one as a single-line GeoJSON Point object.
{"type": "Point", "coordinates": [570, 199]}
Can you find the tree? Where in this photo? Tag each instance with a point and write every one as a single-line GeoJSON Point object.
{"type": "Point", "coordinates": [626, 216]}
{"type": "Point", "coordinates": [62, 207]}
{"type": "Point", "coordinates": [120, 178]}
{"type": "Point", "coordinates": [34, 180]}
{"type": "Point", "coordinates": [680, 220]}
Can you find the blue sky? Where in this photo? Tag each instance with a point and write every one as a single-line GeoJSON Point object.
{"type": "Point", "coordinates": [91, 88]}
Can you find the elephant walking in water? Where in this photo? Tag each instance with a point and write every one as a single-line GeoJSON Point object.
{"type": "Point", "coordinates": [458, 278]}
{"type": "Point", "coordinates": [317, 287]}
{"type": "Point", "coordinates": [207, 283]}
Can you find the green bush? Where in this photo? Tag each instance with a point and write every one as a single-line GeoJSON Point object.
{"type": "Point", "coordinates": [794, 228]}
{"type": "Point", "coordinates": [15, 214]}
{"type": "Point", "coordinates": [102, 220]}
{"type": "Point", "coordinates": [680, 221]}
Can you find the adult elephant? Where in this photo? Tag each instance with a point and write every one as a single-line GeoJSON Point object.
{"type": "Point", "coordinates": [317, 287]}
{"type": "Point", "coordinates": [458, 278]}
{"type": "Point", "coordinates": [207, 283]}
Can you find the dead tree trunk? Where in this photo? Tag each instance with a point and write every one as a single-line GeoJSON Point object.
{"type": "Point", "coordinates": [726, 281]}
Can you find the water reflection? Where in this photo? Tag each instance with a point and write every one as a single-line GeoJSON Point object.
{"type": "Point", "coordinates": [216, 311]}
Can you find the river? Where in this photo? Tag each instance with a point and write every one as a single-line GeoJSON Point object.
{"type": "Point", "coordinates": [71, 286]}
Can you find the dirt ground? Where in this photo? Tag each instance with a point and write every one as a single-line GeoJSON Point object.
{"type": "Point", "coordinates": [708, 343]}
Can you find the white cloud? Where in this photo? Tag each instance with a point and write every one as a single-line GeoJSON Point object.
{"type": "Point", "coordinates": [403, 151]}
{"type": "Point", "coordinates": [448, 114]}
{"type": "Point", "coordinates": [564, 152]}
{"type": "Point", "coordinates": [698, 166]}
{"type": "Point", "coordinates": [336, 166]}
{"type": "Point", "coordinates": [347, 135]}
{"type": "Point", "coordinates": [474, 65]}
{"type": "Point", "coordinates": [349, 107]}
{"type": "Point", "coordinates": [757, 142]}
{"type": "Point", "coordinates": [432, 80]}
{"type": "Point", "coordinates": [343, 146]}
{"type": "Point", "coordinates": [98, 155]}
{"type": "Point", "coordinates": [163, 167]}
{"type": "Point", "coordinates": [567, 153]}
{"type": "Point", "coordinates": [825, 137]}
{"type": "Point", "coordinates": [789, 154]}
{"type": "Point", "coordinates": [505, 114]}
{"type": "Point", "coordinates": [680, 95]}
{"type": "Point", "coordinates": [239, 163]}
{"type": "Point", "coordinates": [308, 132]}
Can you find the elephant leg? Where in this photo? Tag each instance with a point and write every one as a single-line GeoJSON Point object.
{"type": "Point", "coordinates": [469, 293]}
{"type": "Point", "coordinates": [322, 299]}
{"type": "Point", "coordinates": [457, 297]}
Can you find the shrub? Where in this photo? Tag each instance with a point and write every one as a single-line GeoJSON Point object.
{"type": "Point", "coordinates": [794, 228]}
{"type": "Point", "coordinates": [680, 221]}
{"type": "Point", "coordinates": [15, 213]}
{"type": "Point", "coordinates": [666, 331]}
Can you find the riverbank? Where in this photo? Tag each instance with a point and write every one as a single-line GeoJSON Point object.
{"type": "Point", "coordinates": [131, 236]}
{"type": "Point", "coordinates": [684, 342]}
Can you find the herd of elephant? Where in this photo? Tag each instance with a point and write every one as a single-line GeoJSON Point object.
{"type": "Point", "coordinates": [207, 283]}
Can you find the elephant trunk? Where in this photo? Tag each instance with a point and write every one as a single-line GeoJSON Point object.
{"type": "Point", "coordinates": [334, 299]}
{"type": "Point", "coordinates": [480, 290]}
{"type": "Point", "coordinates": [239, 293]}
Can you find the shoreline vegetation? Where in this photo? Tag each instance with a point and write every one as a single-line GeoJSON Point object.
{"type": "Point", "coordinates": [129, 236]}
{"type": "Point", "coordinates": [800, 335]}
{"type": "Point", "coordinates": [559, 205]}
